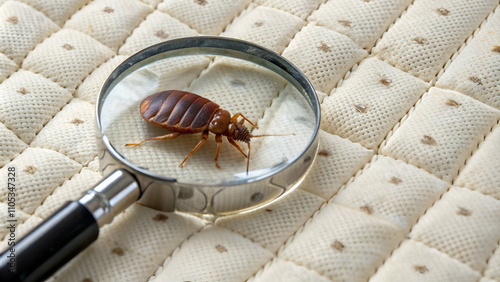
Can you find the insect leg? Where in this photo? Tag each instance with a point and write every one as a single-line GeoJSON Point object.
{"type": "Point", "coordinates": [236, 145]}
{"type": "Point", "coordinates": [234, 119]}
{"type": "Point", "coordinates": [168, 136]}
{"type": "Point", "coordinates": [204, 137]}
{"type": "Point", "coordinates": [218, 139]}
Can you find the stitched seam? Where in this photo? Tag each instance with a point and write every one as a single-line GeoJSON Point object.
{"type": "Point", "coordinates": [180, 20]}
{"type": "Point", "coordinates": [471, 186]}
{"type": "Point", "coordinates": [73, 91]}
{"type": "Point", "coordinates": [483, 273]}
{"type": "Point", "coordinates": [62, 24]}
{"type": "Point", "coordinates": [133, 29]}
{"type": "Point", "coordinates": [58, 184]}
{"type": "Point", "coordinates": [42, 146]}
{"type": "Point", "coordinates": [409, 232]}
{"type": "Point", "coordinates": [445, 254]}
{"type": "Point", "coordinates": [11, 130]}
{"type": "Point", "coordinates": [83, 78]}
{"type": "Point", "coordinates": [12, 72]}
{"type": "Point", "coordinates": [118, 49]}
{"type": "Point", "coordinates": [475, 149]}
{"type": "Point", "coordinates": [291, 238]}
{"type": "Point", "coordinates": [391, 25]}
{"type": "Point", "coordinates": [248, 7]}
{"type": "Point", "coordinates": [77, 88]}
{"type": "Point", "coordinates": [369, 55]}
{"type": "Point", "coordinates": [465, 44]}
{"type": "Point", "coordinates": [305, 21]}
{"type": "Point", "coordinates": [274, 260]}
{"type": "Point", "coordinates": [403, 119]}
{"type": "Point", "coordinates": [61, 184]}
{"type": "Point", "coordinates": [17, 226]}
{"type": "Point", "coordinates": [209, 65]}
{"type": "Point", "coordinates": [39, 42]}
{"type": "Point", "coordinates": [175, 251]}
{"type": "Point", "coordinates": [50, 35]}
{"type": "Point", "coordinates": [407, 115]}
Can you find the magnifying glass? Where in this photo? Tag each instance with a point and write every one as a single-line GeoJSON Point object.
{"type": "Point", "coordinates": [256, 86]}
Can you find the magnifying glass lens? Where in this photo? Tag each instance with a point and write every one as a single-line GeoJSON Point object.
{"type": "Point", "coordinates": [238, 86]}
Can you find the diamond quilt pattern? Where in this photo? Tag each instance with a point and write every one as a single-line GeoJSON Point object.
{"type": "Point", "coordinates": [406, 183]}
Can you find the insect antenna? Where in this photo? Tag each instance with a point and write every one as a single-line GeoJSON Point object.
{"type": "Point", "coordinates": [248, 158]}
{"type": "Point", "coordinates": [264, 135]}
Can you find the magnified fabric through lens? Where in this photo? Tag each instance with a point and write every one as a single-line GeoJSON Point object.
{"type": "Point", "coordinates": [238, 86]}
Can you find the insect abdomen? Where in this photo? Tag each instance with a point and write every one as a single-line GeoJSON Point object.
{"type": "Point", "coordinates": [178, 111]}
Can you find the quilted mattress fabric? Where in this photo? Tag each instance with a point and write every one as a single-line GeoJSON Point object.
{"type": "Point", "coordinates": [406, 184]}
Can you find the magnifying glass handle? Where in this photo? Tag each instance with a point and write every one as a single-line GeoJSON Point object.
{"type": "Point", "coordinates": [50, 245]}
{"type": "Point", "coordinates": [68, 231]}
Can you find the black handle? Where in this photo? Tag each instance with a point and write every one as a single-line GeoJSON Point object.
{"type": "Point", "coordinates": [50, 245]}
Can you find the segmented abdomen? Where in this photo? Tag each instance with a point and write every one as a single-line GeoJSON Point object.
{"type": "Point", "coordinates": [178, 111]}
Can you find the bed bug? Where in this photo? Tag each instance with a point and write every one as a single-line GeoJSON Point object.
{"type": "Point", "coordinates": [186, 113]}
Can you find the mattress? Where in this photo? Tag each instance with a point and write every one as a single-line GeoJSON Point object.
{"type": "Point", "coordinates": [406, 183]}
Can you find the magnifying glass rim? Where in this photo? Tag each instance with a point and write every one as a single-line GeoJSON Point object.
{"type": "Point", "coordinates": [217, 45]}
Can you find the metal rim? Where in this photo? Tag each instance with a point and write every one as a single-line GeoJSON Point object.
{"type": "Point", "coordinates": [210, 45]}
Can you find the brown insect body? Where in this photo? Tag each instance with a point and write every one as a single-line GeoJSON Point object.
{"type": "Point", "coordinates": [185, 113]}
{"type": "Point", "coordinates": [178, 111]}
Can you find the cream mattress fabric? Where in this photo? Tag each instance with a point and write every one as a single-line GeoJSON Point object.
{"type": "Point", "coordinates": [406, 186]}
